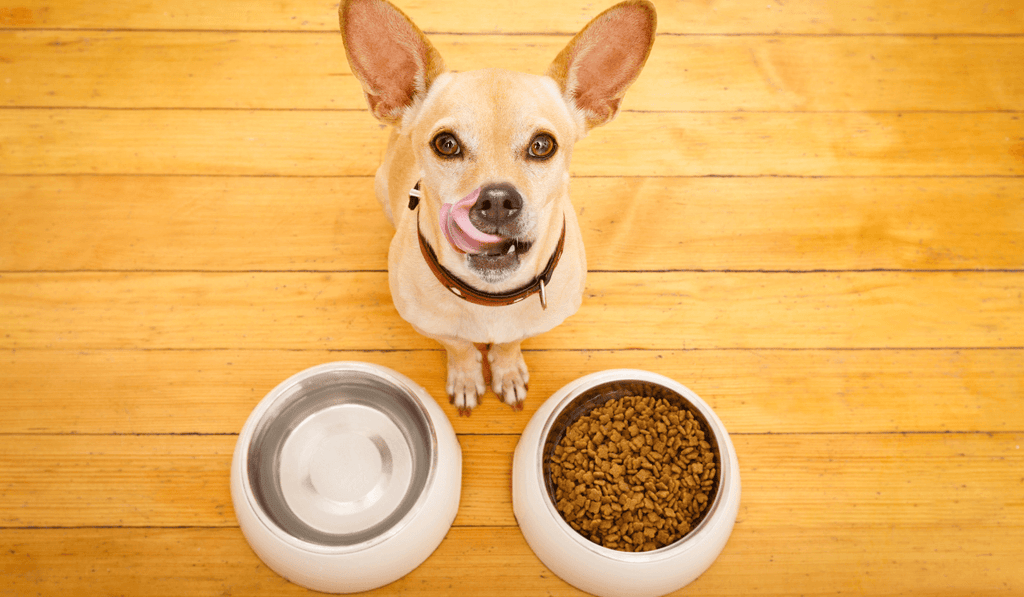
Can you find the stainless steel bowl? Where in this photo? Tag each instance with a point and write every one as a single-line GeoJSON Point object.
{"type": "Point", "coordinates": [346, 477]}
{"type": "Point", "coordinates": [587, 565]}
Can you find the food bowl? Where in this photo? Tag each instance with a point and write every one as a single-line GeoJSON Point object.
{"type": "Point", "coordinates": [346, 477]}
{"type": "Point", "coordinates": [592, 567]}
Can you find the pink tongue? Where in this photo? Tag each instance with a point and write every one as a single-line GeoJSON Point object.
{"type": "Point", "coordinates": [460, 231]}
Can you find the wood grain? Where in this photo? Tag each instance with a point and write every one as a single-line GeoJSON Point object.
{"type": "Point", "coordinates": [169, 480]}
{"type": "Point", "coordinates": [756, 73]}
{"type": "Point", "coordinates": [881, 491]}
{"type": "Point", "coordinates": [655, 310]}
{"type": "Point", "coordinates": [69, 223]}
{"type": "Point", "coordinates": [87, 141]}
{"type": "Point", "coordinates": [724, 16]}
{"type": "Point", "coordinates": [753, 391]}
{"type": "Point", "coordinates": [808, 212]}
{"type": "Point", "coordinates": [216, 561]}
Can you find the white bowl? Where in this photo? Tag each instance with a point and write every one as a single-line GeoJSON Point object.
{"type": "Point", "coordinates": [591, 567]}
{"type": "Point", "coordinates": [346, 477]}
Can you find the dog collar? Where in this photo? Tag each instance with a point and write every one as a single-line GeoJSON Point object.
{"type": "Point", "coordinates": [478, 297]}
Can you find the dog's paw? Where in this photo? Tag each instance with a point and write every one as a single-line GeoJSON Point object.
{"type": "Point", "coordinates": [465, 381]}
{"type": "Point", "coordinates": [509, 377]}
{"type": "Point", "coordinates": [464, 394]}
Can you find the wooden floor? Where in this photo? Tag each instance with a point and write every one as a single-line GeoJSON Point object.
{"type": "Point", "coordinates": [812, 215]}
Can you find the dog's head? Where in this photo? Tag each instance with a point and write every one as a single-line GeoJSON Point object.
{"type": "Point", "coordinates": [492, 147]}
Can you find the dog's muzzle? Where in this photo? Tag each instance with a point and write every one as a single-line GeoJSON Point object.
{"type": "Point", "coordinates": [458, 227]}
{"type": "Point", "coordinates": [459, 288]}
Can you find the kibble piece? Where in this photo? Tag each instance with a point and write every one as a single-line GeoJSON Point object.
{"type": "Point", "coordinates": [634, 474]}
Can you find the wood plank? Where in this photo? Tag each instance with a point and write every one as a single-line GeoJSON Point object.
{"type": "Point", "coordinates": [722, 16]}
{"type": "Point", "coordinates": [189, 142]}
{"type": "Point", "coordinates": [119, 480]}
{"type": "Point", "coordinates": [87, 141]}
{"type": "Point", "coordinates": [497, 561]}
{"type": "Point", "coordinates": [198, 70]}
{"type": "Point", "coordinates": [888, 521]}
{"type": "Point", "coordinates": [873, 480]}
{"type": "Point", "coordinates": [658, 310]}
{"type": "Point", "coordinates": [192, 223]}
{"type": "Point", "coordinates": [309, 71]}
{"type": "Point", "coordinates": [753, 391]}
{"type": "Point", "coordinates": [756, 217]}
{"type": "Point", "coordinates": [68, 223]}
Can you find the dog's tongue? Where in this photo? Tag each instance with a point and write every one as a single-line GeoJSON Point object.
{"type": "Point", "coordinates": [460, 231]}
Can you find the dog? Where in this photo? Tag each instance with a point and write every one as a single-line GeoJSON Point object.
{"type": "Point", "coordinates": [487, 250]}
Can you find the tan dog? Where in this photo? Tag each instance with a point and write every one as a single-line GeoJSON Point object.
{"type": "Point", "coordinates": [487, 250]}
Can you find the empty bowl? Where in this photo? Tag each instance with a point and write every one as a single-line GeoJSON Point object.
{"type": "Point", "coordinates": [346, 477]}
{"type": "Point", "coordinates": [591, 567]}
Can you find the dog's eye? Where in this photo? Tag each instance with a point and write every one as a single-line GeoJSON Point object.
{"type": "Point", "coordinates": [542, 147]}
{"type": "Point", "coordinates": [446, 145]}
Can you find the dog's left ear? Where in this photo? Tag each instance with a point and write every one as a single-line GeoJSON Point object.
{"type": "Point", "coordinates": [390, 56]}
{"type": "Point", "coordinates": [604, 59]}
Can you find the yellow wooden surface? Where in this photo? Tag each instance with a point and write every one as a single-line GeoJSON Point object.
{"type": "Point", "coordinates": [807, 223]}
{"type": "Point", "coordinates": [170, 480]}
{"type": "Point", "coordinates": [809, 212]}
{"type": "Point", "coordinates": [229, 70]}
{"type": "Point", "coordinates": [634, 310]}
{"type": "Point", "coordinates": [762, 390]}
{"type": "Point", "coordinates": [719, 17]}
{"type": "Point", "coordinates": [351, 143]}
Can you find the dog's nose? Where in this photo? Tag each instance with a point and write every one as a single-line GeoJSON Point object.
{"type": "Point", "coordinates": [497, 204]}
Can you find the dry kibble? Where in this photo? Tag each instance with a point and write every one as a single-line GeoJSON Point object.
{"type": "Point", "coordinates": [648, 470]}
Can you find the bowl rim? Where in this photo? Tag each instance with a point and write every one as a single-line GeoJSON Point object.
{"type": "Point", "coordinates": [286, 390]}
{"type": "Point", "coordinates": [573, 390]}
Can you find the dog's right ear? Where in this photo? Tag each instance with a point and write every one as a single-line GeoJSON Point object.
{"type": "Point", "coordinates": [389, 55]}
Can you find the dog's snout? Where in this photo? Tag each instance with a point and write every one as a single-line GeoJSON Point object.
{"type": "Point", "coordinates": [497, 204]}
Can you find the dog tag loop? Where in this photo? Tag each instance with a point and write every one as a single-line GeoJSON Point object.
{"type": "Point", "coordinates": [414, 196]}
{"type": "Point", "coordinates": [543, 295]}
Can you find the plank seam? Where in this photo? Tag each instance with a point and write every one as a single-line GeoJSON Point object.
{"type": "Point", "coordinates": [191, 526]}
{"type": "Point", "coordinates": [574, 176]}
{"type": "Point", "coordinates": [113, 526]}
{"type": "Point", "coordinates": [556, 34]}
{"type": "Point", "coordinates": [360, 110]}
{"type": "Point", "coordinates": [593, 271]}
{"type": "Point", "coordinates": [87, 350]}
{"type": "Point", "coordinates": [515, 435]}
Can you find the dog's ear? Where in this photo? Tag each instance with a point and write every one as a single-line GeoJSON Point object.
{"type": "Point", "coordinates": [604, 59]}
{"type": "Point", "coordinates": [389, 55]}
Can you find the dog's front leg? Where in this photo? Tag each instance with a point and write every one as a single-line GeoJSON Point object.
{"type": "Point", "coordinates": [465, 374]}
{"type": "Point", "coordinates": [509, 376]}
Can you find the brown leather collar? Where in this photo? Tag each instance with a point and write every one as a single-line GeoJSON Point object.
{"type": "Point", "coordinates": [489, 299]}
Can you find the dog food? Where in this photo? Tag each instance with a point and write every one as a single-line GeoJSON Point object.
{"type": "Point", "coordinates": [634, 474]}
